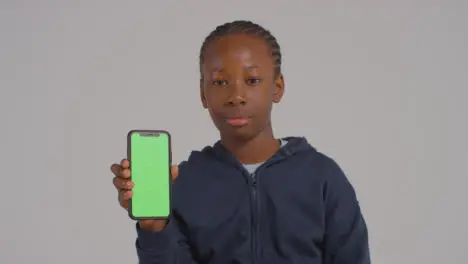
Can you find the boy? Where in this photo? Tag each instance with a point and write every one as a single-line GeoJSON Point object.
{"type": "Point", "coordinates": [251, 198]}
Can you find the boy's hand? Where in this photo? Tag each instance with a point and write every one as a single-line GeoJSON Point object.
{"type": "Point", "coordinates": [124, 186]}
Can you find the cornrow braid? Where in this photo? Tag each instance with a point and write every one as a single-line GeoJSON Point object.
{"type": "Point", "coordinates": [248, 28]}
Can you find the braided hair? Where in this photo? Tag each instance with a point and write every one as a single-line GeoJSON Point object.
{"type": "Point", "coordinates": [247, 28]}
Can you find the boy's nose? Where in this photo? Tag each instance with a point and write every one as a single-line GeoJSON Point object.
{"type": "Point", "coordinates": [237, 95]}
{"type": "Point", "coordinates": [237, 100]}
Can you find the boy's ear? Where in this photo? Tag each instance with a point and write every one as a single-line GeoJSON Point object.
{"type": "Point", "coordinates": [202, 95]}
{"type": "Point", "coordinates": [279, 89]}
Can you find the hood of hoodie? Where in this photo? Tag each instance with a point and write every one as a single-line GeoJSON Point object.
{"type": "Point", "coordinates": [294, 146]}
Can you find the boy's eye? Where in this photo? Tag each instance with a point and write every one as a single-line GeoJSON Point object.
{"type": "Point", "coordinates": [253, 80]}
{"type": "Point", "coordinates": [220, 82]}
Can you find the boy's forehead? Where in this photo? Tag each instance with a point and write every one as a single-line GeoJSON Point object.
{"type": "Point", "coordinates": [237, 49]}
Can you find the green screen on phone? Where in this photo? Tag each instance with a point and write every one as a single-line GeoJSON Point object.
{"type": "Point", "coordinates": [149, 155]}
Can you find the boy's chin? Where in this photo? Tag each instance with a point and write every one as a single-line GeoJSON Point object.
{"type": "Point", "coordinates": [240, 134]}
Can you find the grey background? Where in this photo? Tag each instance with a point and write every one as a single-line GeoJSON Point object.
{"type": "Point", "coordinates": [381, 86]}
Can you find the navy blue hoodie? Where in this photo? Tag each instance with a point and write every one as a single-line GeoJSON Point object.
{"type": "Point", "coordinates": [297, 207]}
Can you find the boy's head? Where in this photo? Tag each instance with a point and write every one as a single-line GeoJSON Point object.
{"type": "Point", "coordinates": [240, 67]}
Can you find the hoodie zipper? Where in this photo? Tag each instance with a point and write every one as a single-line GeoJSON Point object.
{"type": "Point", "coordinates": [255, 213]}
{"type": "Point", "coordinates": [255, 231]}
{"type": "Point", "coordinates": [252, 179]}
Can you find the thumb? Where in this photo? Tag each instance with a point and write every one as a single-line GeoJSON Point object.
{"type": "Point", "coordinates": [174, 172]}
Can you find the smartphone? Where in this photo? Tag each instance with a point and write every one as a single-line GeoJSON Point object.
{"type": "Point", "coordinates": [149, 154]}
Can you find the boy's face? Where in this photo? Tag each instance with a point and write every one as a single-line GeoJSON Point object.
{"type": "Point", "coordinates": [239, 85]}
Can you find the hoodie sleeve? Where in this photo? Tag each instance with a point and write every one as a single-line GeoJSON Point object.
{"type": "Point", "coordinates": [169, 246]}
{"type": "Point", "coordinates": [346, 235]}
{"type": "Point", "coordinates": [166, 247]}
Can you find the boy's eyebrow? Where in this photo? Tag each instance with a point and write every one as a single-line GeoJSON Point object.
{"type": "Point", "coordinates": [251, 67]}
{"type": "Point", "coordinates": [220, 69]}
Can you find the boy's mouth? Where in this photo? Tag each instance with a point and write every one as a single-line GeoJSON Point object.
{"type": "Point", "coordinates": [238, 121]}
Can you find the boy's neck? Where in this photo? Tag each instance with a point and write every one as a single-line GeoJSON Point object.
{"type": "Point", "coordinates": [256, 150]}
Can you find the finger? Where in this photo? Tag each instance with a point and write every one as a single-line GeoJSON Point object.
{"type": "Point", "coordinates": [125, 164]}
{"type": "Point", "coordinates": [124, 196]}
{"type": "Point", "coordinates": [114, 181]}
{"type": "Point", "coordinates": [125, 173]}
{"type": "Point", "coordinates": [174, 172]}
{"type": "Point", "coordinates": [116, 169]}
{"type": "Point", "coordinates": [121, 183]}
